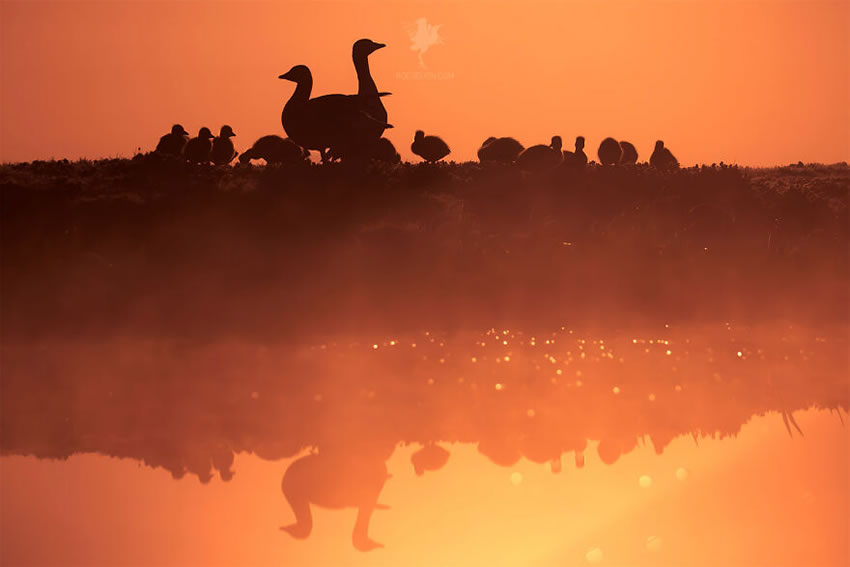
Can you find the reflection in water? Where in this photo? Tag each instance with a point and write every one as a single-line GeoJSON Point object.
{"type": "Point", "coordinates": [346, 406]}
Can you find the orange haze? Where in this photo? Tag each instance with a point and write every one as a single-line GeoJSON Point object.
{"type": "Point", "coordinates": [757, 83]}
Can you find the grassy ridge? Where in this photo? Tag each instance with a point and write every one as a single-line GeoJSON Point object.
{"type": "Point", "coordinates": [157, 247]}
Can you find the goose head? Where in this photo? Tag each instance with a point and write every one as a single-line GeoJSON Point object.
{"type": "Point", "coordinates": [556, 143]}
{"type": "Point", "coordinates": [659, 145]}
{"type": "Point", "coordinates": [178, 130]}
{"type": "Point", "coordinates": [364, 47]}
{"type": "Point", "coordinates": [579, 143]}
{"type": "Point", "coordinates": [419, 136]}
{"type": "Point", "coordinates": [226, 132]}
{"type": "Point", "coordinates": [489, 140]}
{"type": "Point", "coordinates": [298, 74]}
{"type": "Point", "coordinates": [205, 133]}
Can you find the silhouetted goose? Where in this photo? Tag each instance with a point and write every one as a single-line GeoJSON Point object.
{"type": "Point", "coordinates": [662, 158]}
{"type": "Point", "coordinates": [578, 158]}
{"type": "Point", "coordinates": [629, 153]}
{"type": "Point", "coordinates": [385, 151]}
{"type": "Point", "coordinates": [609, 152]}
{"type": "Point", "coordinates": [366, 88]}
{"type": "Point", "coordinates": [330, 121]}
{"type": "Point", "coordinates": [275, 150]}
{"type": "Point", "coordinates": [540, 157]}
{"type": "Point", "coordinates": [501, 150]}
{"type": "Point", "coordinates": [198, 149]}
{"type": "Point", "coordinates": [223, 151]}
{"type": "Point", "coordinates": [173, 142]}
{"type": "Point", "coordinates": [429, 148]}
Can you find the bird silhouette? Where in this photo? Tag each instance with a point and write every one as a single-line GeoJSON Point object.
{"type": "Point", "coordinates": [173, 142]}
{"type": "Point", "coordinates": [198, 149]}
{"type": "Point", "coordinates": [500, 150]}
{"type": "Point", "coordinates": [366, 88]}
{"type": "Point", "coordinates": [385, 151]}
{"type": "Point", "coordinates": [223, 151]}
{"type": "Point", "coordinates": [576, 159]}
{"type": "Point", "coordinates": [609, 152]}
{"type": "Point", "coordinates": [541, 157]}
{"type": "Point", "coordinates": [275, 150]}
{"type": "Point", "coordinates": [331, 121]}
{"type": "Point", "coordinates": [429, 148]}
{"type": "Point", "coordinates": [662, 158]}
{"type": "Point", "coordinates": [628, 154]}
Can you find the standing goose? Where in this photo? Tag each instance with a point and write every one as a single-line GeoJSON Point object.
{"type": "Point", "coordinates": [578, 158]}
{"type": "Point", "coordinates": [500, 150]}
{"type": "Point", "coordinates": [662, 158]}
{"type": "Point", "coordinates": [366, 88]}
{"type": "Point", "coordinates": [198, 149]}
{"type": "Point", "coordinates": [609, 152]}
{"type": "Point", "coordinates": [541, 157]}
{"type": "Point", "coordinates": [429, 148]}
{"type": "Point", "coordinates": [275, 150]}
{"type": "Point", "coordinates": [330, 121]}
{"type": "Point", "coordinates": [223, 151]}
{"type": "Point", "coordinates": [629, 153]}
{"type": "Point", "coordinates": [173, 142]}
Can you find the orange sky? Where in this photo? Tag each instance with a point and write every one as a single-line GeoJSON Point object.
{"type": "Point", "coordinates": [761, 499]}
{"type": "Point", "coordinates": [757, 83]}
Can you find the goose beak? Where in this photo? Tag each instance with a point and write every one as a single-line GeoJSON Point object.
{"type": "Point", "coordinates": [378, 46]}
{"type": "Point", "coordinates": [286, 76]}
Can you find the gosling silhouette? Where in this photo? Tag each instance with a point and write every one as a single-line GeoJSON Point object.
{"type": "Point", "coordinates": [223, 151]}
{"type": "Point", "coordinates": [662, 158]}
{"type": "Point", "coordinates": [334, 481]}
{"type": "Point", "coordinates": [629, 155]}
{"type": "Point", "coordinates": [541, 157]}
{"type": "Point", "coordinates": [275, 150]}
{"type": "Point", "coordinates": [173, 142]}
{"type": "Point", "coordinates": [431, 457]}
{"type": "Point", "coordinates": [499, 150]}
{"type": "Point", "coordinates": [609, 152]}
{"type": "Point", "coordinates": [331, 121]}
{"type": "Point", "coordinates": [198, 149]}
{"type": "Point", "coordinates": [429, 148]}
{"type": "Point", "coordinates": [385, 151]}
{"type": "Point", "coordinates": [576, 159]}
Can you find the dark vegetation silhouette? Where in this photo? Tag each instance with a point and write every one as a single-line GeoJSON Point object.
{"type": "Point", "coordinates": [429, 148]}
{"type": "Point", "coordinates": [609, 152]}
{"type": "Point", "coordinates": [275, 151]}
{"type": "Point", "coordinates": [499, 150]}
{"type": "Point", "coordinates": [541, 157]}
{"type": "Point", "coordinates": [629, 154]}
{"type": "Point", "coordinates": [198, 149]}
{"type": "Point", "coordinates": [173, 142]}
{"type": "Point", "coordinates": [223, 152]}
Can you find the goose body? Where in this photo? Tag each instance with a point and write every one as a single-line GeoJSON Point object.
{"type": "Point", "coordinates": [223, 151]}
{"type": "Point", "coordinates": [662, 158]}
{"type": "Point", "coordinates": [576, 159]}
{"type": "Point", "coordinates": [331, 121]}
{"type": "Point", "coordinates": [500, 150]}
{"type": "Point", "coordinates": [173, 142]}
{"type": "Point", "coordinates": [541, 157]}
{"type": "Point", "coordinates": [429, 148]}
{"type": "Point", "coordinates": [609, 152]}
{"type": "Point", "coordinates": [275, 150]}
{"type": "Point", "coordinates": [629, 155]}
{"type": "Point", "coordinates": [198, 149]}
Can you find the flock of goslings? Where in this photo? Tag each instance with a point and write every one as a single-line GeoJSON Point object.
{"type": "Point", "coordinates": [350, 127]}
